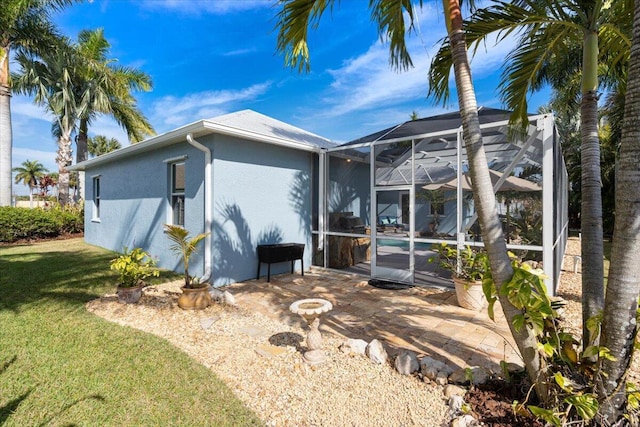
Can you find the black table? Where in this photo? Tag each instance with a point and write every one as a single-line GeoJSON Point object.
{"type": "Point", "coordinates": [280, 252]}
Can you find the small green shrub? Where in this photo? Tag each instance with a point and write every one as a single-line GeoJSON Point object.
{"type": "Point", "coordinates": [133, 267]}
{"type": "Point", "coordinates": [25, 223]}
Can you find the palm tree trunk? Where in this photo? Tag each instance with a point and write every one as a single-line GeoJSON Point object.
{"type": "Point", "coordinates": [623, 287]}
{"type": "Point", "coordinates": [483, 195]}
{"type": "Point", "coordinates": [591, 211]}
{"type": "Point", "coordinates": [81, 142]}
{"type": "Point", "coordinates": [64, 160]}
{"type": "Point", "coordinates": [5, 129]}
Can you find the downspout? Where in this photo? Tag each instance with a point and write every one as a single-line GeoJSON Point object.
{"type": "Point", "coordinates": [208, 211]}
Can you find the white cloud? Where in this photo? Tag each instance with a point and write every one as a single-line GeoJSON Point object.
{"type": "Point", "coordinates": [216, 7]}
{"type": "Point", "coordinates": [367, 82]}
{"type": "Point", "coordinates": [172, 111]}
{"type": "Point", "coordinates": [240, 52]}
{"type": "Point", "coordinates": [24, 106]}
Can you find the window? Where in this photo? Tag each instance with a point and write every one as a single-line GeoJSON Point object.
{"type": "Point", "coordinates": [96, 198]}
{"type": "Point", "coordinates": [177, 193]}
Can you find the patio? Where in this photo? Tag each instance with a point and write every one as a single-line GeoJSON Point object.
{"type": "Point", "coordinates": [426, 320]}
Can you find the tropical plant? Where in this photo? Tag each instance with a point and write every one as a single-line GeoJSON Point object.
{"type": "Point", "coordinates": [29, 174]}
{"type": "Point", "coordinates": [394, 19]}
{"type": "Point", "coordinates": [48, 76]}
{"type": "Point", "coordinates": [557, 41]}
{"type": "Point", "coordinates": [619, 325]}
{"type": "Point", "coordinates": [185, 247]}
{"type": "Point", "coordinates": [133, 267]}
{"type": "Point", "coordinates": [100, 144]}
{"type": "Point", "coordinates": [108, 88]}
{"type": "Point", "coordinates": [467, 264]}
{"type": "Point", "coordinates": [23, 24]}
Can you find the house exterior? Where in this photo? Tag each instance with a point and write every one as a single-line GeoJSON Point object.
{"type": "Point", "coordinates": [374, 206]}
{"type": "Point", "coordinates": [245, 178]}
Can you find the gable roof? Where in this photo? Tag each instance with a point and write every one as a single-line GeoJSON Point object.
{"type": "Point", "coordinates": [244, 124]}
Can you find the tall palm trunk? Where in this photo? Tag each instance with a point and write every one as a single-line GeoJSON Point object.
{"type": "Point", "coordinates": [5, 129]}
{"type": "Point", "coordinates": [623, 287]}
{"type": "Point", "coordinates": [484, 198]}
{"type": "Point", "coordinates": [82, 145]}
{"type": "Point", "coordinates": [591, 211]}
{"type": "Point", "coordinates": [64, 159]}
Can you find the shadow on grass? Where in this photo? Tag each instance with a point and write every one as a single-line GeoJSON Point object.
{"type": "Point", "coordinates": [48, 421]}
{"type": "Point", "coordinates": [70, 277]}
{"type": "Point", "coordinates": [7, 410]}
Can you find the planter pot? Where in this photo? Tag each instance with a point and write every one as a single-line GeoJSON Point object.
{"type": "Point", "coordinates": [469, 294]}
{"type": "Point", "coordinates": [129, 295]}
{"type": "Point", "coordinates": [194, 298]}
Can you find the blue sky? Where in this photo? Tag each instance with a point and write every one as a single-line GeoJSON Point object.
{"type": "Point", "coordinates": [208, 58]}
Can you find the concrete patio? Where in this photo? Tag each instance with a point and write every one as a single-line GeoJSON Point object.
{"type": "Point", "coordinates": [426, 320]}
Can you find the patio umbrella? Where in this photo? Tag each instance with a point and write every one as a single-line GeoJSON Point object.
{"type": "Point", "coordinates": [512, 183]}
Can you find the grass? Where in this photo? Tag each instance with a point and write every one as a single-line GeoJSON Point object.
{"type": "Point", "coordinates": [62, 366]}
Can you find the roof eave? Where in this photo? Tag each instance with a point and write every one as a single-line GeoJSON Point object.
{"type": "Point", "coordinates": [199, 128]}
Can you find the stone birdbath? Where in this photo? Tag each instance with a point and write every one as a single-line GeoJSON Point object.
{"type": "Point", "coordinates": [310, 309]}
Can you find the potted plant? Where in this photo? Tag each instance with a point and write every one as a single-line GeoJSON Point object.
{"type": "Point", "coordinates": [468, 279]}
{"type": "Point", "coordinates": [195, 294]}
{"type": "Point", "coordinates": [133, 267]}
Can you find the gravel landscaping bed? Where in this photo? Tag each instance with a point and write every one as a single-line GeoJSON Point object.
{"type": "Point", "coordinates": [260, 359]}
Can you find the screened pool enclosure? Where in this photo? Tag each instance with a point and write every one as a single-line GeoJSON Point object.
{"type": "Point", "coordinates": [386, 198]}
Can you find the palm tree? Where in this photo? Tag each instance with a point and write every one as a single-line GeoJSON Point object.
{"type": "Point", "coordinates": [619, 327]}
{"type": "Point", "coordinates": [48, 76]}
{"type": "Point", "coordinates": [109, 90]}
{"type": "Point", "coordinates": [293, 20]}
{"type": "Point", "coordinates": [557, 41]}
{"type": "Point", "coordinates": [100, 144]}
{"type": "Point", "coordinates": [23, 23]}
{"type": "Point", "coordinates": [29, 174]}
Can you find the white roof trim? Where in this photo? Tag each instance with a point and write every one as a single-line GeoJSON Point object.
{"type": "Point", "coordinates": [199, 128]}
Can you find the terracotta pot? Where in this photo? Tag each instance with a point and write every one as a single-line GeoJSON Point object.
{"type": "Point", "coordinates": [469, 294]}
{"type": "Point", "coordinates": [194, 298]}
{"type": "Point", "coordinates": [129, 295]}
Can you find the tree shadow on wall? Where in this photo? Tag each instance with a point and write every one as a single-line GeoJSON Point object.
{"type": "Point", "coordinates": [234, 246]}
{"type": "Point", "coordinates": [300, 198]}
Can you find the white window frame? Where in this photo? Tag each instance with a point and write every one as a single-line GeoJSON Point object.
{"type": "Point", "coordinates": [175, 194]}
{"type": "Point", "coordinates": [95, 199]}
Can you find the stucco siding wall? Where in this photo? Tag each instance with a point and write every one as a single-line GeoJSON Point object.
{"type": "Point", "coordinates": [262, 194]}
{"type": "Point", "coordinates": [134, 203]}
{"type": "Point", "coordinates": [349, 188]}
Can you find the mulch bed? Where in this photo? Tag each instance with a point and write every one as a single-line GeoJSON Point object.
{"type": "Point", "coordinates": [492, 403]}
{"type": "Point", "coordinates": [29, 241]}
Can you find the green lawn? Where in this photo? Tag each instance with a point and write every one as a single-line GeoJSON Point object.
{"type": "Point", "coordinates": [62, 366]}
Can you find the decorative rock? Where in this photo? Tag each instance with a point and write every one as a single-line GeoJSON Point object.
{"type": "Point", "coordinates": [216, 295]}
{"type": "Point", "coordinates": [430, 368]}
{"type": "Point", "coordinates": [376, 352]}
{"type": "Point", "coordinates": [208, 322]}
{"type": "Point", "coordinates": [465, 421]}
{"type": "Point", "coordinates": [228, 299]}
{"type": "Point", "coordinates": [454, 390]}
{"type": "Point", "coordinates": [407, 362]}
{"type": "Point", "coordinates": [455, 403]}
{"type": "Point", "coordinates": [515, 368]}
{"type": "Point", "coordinates": [475, 374]}
{"type": "Point", "coordinates": [442, 378]}
{"type": "Point", "coordinates": [357, 346]}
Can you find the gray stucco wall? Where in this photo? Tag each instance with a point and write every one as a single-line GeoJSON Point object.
{"type": "Point", "coordinates": [349, 188]}
{"type": "Point", "coordinates": [261, 194]}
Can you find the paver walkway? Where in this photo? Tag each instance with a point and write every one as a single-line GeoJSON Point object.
{"type": "Point", "coordinates": [425, 320]}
